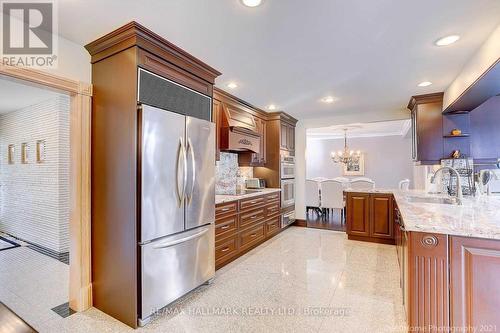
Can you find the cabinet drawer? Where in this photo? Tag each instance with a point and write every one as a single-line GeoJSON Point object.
{"type": "Point", "coordinates": [273, 197]}
{"type": "Point", "coordinates": [251, 203]}
{"type": "Point", "coordinates": [226, 209]}
{"type": "Point", "coordinates": [226, 227]}
{"type": "Point", "coordinates": [273, 209]}
{"type": "Point", "coordinates": [252, 217]}
{"type": "Point", "coordinates": [251, 236]}
{"type": "Point", "coordinates": [272, 226]}
{"type": "Point", "coordinates": [226, 250]}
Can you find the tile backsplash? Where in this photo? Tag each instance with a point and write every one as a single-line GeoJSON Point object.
{"type": "Point", "coordinates": [229, 176]}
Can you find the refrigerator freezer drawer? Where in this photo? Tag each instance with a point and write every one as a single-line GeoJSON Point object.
{"type": "Point", "coordinates": [173, 266]}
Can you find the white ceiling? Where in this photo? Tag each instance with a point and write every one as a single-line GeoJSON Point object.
{"type": "Point", "coordinates": [361, 130]}
{"type": "Point", "coordinates": [370, 55]}
{"type": "Point", "coordinates": [15, 96]}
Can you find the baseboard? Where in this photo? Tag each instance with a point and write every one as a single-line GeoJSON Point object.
{"type": "Point", "coordinates": [299, 223]}
{"type": "Point", "coordinates": [389, 241]}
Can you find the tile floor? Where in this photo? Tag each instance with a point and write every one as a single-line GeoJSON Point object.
{"type": "Point", "coordinates": [303, 280]}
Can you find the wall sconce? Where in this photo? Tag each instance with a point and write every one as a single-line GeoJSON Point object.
{"type": "Point", "coordinates": [10, 154]}
{"type": "Point", "coordinates": [40, 151]}
{"type": "Point", "coordinates": [24, 152]}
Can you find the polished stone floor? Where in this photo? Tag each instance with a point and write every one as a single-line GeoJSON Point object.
{"type": "Point", "coordinates": [31, 284]}
{"type": "Point", "coordinates": [303, 280]}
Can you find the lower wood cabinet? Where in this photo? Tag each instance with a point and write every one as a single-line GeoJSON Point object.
{"type": "Point", "coordinates": [370, 217]}
{"type": "Point", "coordinates": [426, 282]}
{"type": "Point", "coordinates": [244, 224]}
{"type": "Point", "coordinates": [475, 284]}
{"type": "Point", "coordinates": [251, 236]}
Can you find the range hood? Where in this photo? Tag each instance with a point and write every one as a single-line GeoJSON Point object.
{"type": "Point", "coordinates": [238, 131]}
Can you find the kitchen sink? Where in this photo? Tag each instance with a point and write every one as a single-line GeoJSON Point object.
{"type": "Point", "coordinates": [434, 200]}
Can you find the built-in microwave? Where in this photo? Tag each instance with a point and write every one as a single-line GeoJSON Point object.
{"type": "Point", "coordinates": [287, 192]}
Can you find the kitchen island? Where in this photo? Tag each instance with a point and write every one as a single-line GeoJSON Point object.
{"type": "Point", "coordinates": [449, 255]}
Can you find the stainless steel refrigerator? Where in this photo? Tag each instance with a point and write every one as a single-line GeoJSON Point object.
{"type": "Point", "coordinates": [177, 194]}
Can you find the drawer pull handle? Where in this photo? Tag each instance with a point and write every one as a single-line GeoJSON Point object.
{"type": "Point", "coordinates": [225, 227]}
{"type": "Point", "coordinates": [253, 217]}
{"type": "Point", "coordinates": [253, 235]}
{"type": "Point", "coordinates": [225, 249]}
{"type": "Point", "coordinates": [225, 209]}
{"type": "Point", "coordinates": [253, 202]}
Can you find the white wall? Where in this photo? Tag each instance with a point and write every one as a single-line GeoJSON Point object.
{"type": "Point", "coordinates": [73, 60]}
{"type": "Point", "coordinates": [487, 55]}
{"type": "Point", "coordinates": [387, 158]}
{"type": "Point", "coordinates": [34, 198]}
{"type": "Point", "coordinates": [301, 145]}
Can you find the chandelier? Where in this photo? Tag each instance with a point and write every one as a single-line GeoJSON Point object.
{"type": "Point", "coordinates": [347, 156]}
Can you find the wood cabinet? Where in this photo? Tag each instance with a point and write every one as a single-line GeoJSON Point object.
{"type": "Point", "coordinates": [242, 225]}
{"type": "Point", "coordinates": [427, 128]}
{"type": "Point", "coordinates": [217, 120]}
{"type": "Point", "coordinates": [116, 58]}
{"type": "Point", "coordinates": [287, 136]}
{"type": "Point", "coordinates": [426, 281]}
{"type": "Point", "coordinates": [370, 217]}
{"type": "Point", "coordinates": [358, 214]}
{"type": "Point", "coordinates": [475, 284]}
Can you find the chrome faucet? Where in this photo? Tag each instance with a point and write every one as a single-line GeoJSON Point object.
{"type": "Point", "coordinates": [459, 185]}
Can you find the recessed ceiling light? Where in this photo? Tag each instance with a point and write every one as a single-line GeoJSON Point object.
{"type": "Point", "coordinates": [328, 99]}
{"type": "Point", "coordinates": [271, 107]}
{"type": "Point", "coordinates": [447, 40]}
{"type": "Point", "coordinates": [424, 84]}
{"type": "Point", "coordinates": [251, 3]}
{"type": "Point", "coordinates": [232, 85]}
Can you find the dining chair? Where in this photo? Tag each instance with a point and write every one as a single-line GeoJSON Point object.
{"type": "Point", "coordinates": [361, 184]}
{"type": "Point", "coordinates": [312, 196]}
{"type": "Point", "coordinates": [404, 185]}
{"type": "Point", "coordinates": [332, 197]}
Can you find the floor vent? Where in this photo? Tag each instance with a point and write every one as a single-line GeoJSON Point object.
{"type": "Point", "coordinates": [63, 310]}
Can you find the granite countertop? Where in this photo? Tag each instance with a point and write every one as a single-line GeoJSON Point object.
{"type": "Point", "coordinates": [476, 217]}
{"type": "Point", "coordinates": [374, 190]}
{"type": "Point", "coordinates": [222, 198]}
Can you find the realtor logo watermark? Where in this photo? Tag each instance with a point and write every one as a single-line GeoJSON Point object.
{"type": "Point", "coordinates": [29, 33]}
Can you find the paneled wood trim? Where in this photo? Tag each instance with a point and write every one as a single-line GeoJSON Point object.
{"type": "Point", "coordinates": [426, 98]}
{"type": "Point", "coordinates": [428, 282]}
{"type": "Point", "coordinates": [80, 245]}
{"type": "Point", "coordinates": [300, 223]}
{"type": "Point", "coordinates": [46, 79]}
{"type": "Point", "coordinates": [226, 97]}
{"type": "Point", "coordinates": [134, 33]}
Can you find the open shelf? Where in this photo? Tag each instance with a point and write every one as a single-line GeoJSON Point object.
{"type": "Point", "coordinates": [456, 136]}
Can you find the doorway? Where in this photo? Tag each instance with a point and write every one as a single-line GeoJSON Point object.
{"type": "Point", "coordinates": [44, 194]}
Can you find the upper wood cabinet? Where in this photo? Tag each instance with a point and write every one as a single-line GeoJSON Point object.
{"type": "Point", "coordinates": [427, 128]}
{"type": "Point", "coordinates": [287, 136]}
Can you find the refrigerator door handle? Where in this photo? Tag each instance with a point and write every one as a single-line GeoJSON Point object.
{"type": "Point", "coordinates": [193, 171]}
{"type": "Point", "coordinates": [181, 240]}
{"type": "Point", "coordinates": [181, 163]}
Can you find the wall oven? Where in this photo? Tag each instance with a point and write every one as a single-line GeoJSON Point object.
{"type": "Point", "coordinates": [287, 167]}
{"type": "Point", "coordinates": [287, 193]}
